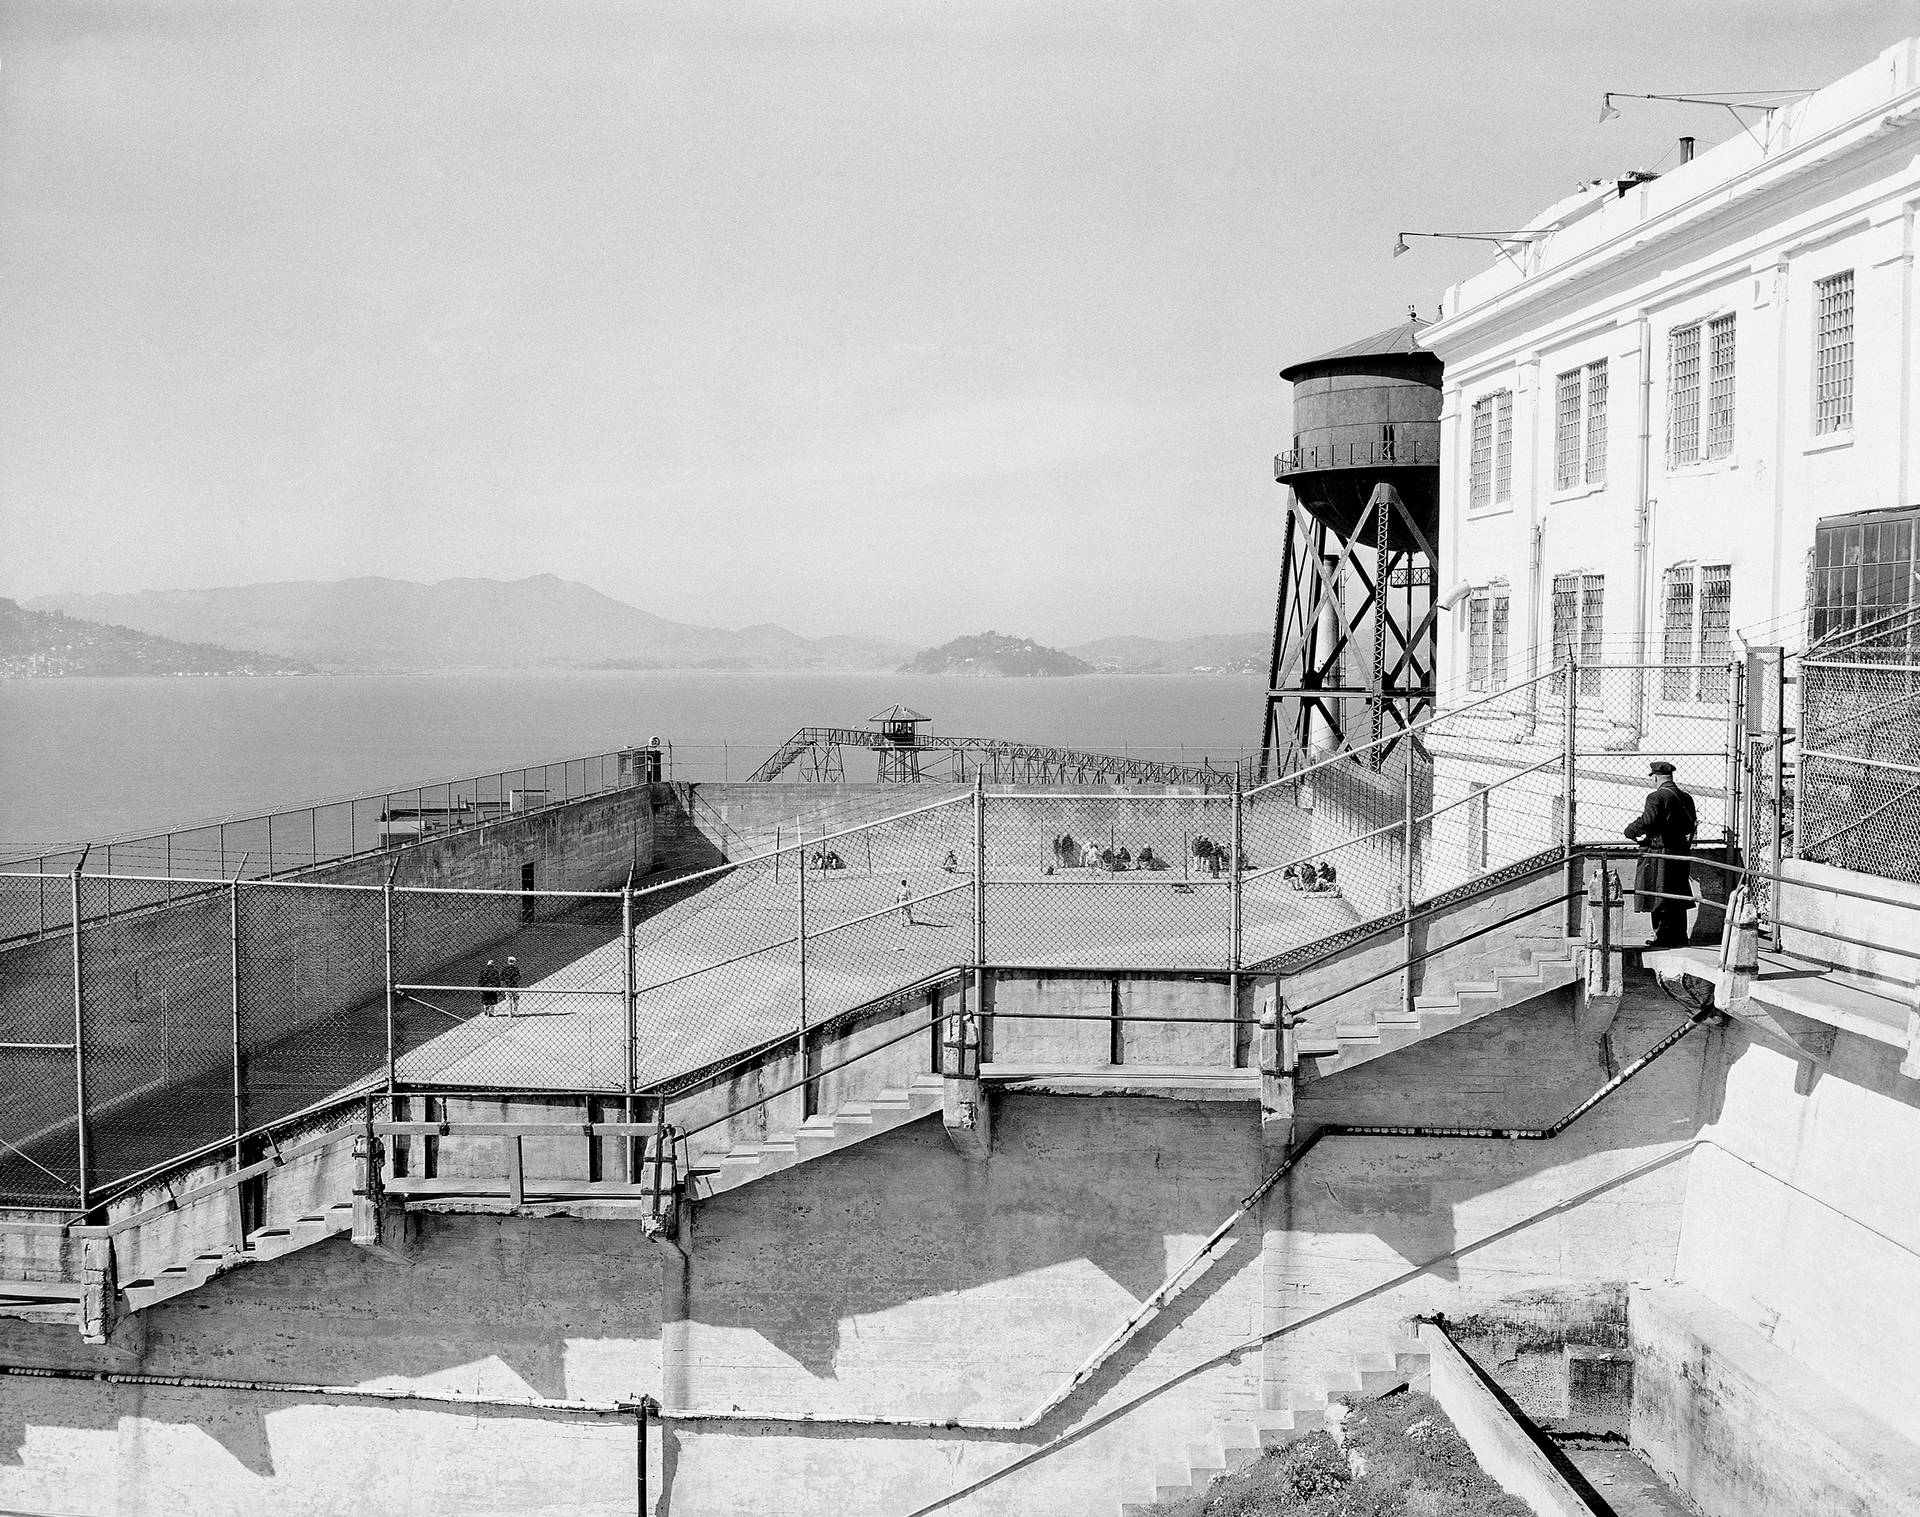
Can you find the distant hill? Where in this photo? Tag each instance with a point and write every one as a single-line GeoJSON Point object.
{"type": "Point", "coordinates": [1212, 653]}
{"type": "Point", "coordinates": [36, 644]}
{"type": "Point", "coordinates": [993, 655]}
{"type": "Point", "coordinates": [396, 625]}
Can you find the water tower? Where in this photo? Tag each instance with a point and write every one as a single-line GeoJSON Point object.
{"type": "Point", "coordinates": [1355, 630]}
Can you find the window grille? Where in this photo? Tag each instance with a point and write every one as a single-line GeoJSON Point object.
{"type": "Point", "coordinates": [1479, 644]}
{"type": "Point", "coordinates": [1865, 577]}
{"type": "Point", "coordinates": [1683, 395]}
{"type": "Point", "coordinates": [1566, 431]}
{"type": "Point", "coordinates": [1597, 423]}
{"type": "Point", "coordinates": [1499, 658]}
{"type": "Point", "coordinates": [1716, 619]}
{"type": "Point", "coordinates": [1833, 354]}
{"type": "Point", "coordinates": [1720, 387]}
{"type": "Point", "coordinates": [1480, 466]}
{"type": "Point", "coordinates": [1592, 628]}
{"type": "Point", "coordinates": [1579, 624]}
{"type": "Point", "coordinates": [1676, 648]}
{"type": "Point", "coordinates": [1503, 445]}
{"type": "Point", "coordinates": [1566, 617]}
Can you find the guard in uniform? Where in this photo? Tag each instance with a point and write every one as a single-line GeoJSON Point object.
{"type": "Point", "coordinates": [1663, 879]}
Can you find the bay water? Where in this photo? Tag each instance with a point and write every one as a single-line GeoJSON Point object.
{"type": "Point", "coordinates": [94, 758]}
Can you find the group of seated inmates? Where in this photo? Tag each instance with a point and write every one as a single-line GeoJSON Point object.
{"type": "Point", "coordinates": [825, 858]}
{"type": "Point", "coordinates": [1319, 880]}
{"type": "Point", "coordinates": [1068, 853]}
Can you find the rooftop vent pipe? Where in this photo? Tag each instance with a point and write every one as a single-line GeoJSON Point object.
{"type": "Point", "coordinates": [1686, 150]}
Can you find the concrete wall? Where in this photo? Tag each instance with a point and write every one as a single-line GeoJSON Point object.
{"type": "Point", "coordinates": [1503, 1447]}
{"type": "Point", "coordinates": [501, 1307]}
{"type": "Point", "coordinates": [1746, 1430]}
{"type": "Point", "coordinates": [159, 988]}
{"type": "Point", "coordinates": [1814, 911]}
{"type": "Point", "coordinates": [1799, 1222]}
{"type": "Point", "coordinates": [1366, 1233]}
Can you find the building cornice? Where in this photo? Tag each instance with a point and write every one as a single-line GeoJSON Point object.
{"type": "Point", "coordinates": [1647, 240]}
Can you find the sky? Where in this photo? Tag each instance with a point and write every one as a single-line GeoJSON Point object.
{"type": "Point", "coordinates": [901, 318]}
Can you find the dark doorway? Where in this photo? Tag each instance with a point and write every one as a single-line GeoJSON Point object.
{"type": "Point", "coordinates": [526, 901]}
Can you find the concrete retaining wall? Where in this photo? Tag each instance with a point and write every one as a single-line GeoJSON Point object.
{"type": "Point", "coordinates": [1502, 1446]}
{"type": "Point", "coordinates": [1746, 1430]}
{"type": "Point", "coordinates": [1796, 1223]}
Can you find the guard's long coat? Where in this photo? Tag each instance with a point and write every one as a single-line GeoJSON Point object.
{"type": "Point", "coordinates": [1665, 825]}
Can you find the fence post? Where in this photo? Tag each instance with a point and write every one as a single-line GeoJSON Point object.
{"type": "Point", "coordinates": [1235, 923]}
{"type": "Point", "coordinates": [800, 912]}
{"type": "Point", "coordinates": [1800, 745]}
{"type": "Point", "coordinates": [269, 845]}
{"type": "Point", "coordinates": [80, 1047]}
{"type": "Point", "coordinates": [1406, 887]}
{"type": "Point", "coordinates": [386, 910]}
{"type": "Point", "coordinates": [1736, 717]}
{"type": "Point", "coordinates": [633, 993]}
{"type": "Point", "coordinates": [980, 909]}
{"type": "Point", "coordinates": [239, 1086]}
{"type": "Point", "coordinates": [1778, 797]}
{"type": "Point", "coordinates": [1570, 812]}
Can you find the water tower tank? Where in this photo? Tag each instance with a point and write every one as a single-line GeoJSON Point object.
{"type": "Point", "coordinates": [1355, 629]}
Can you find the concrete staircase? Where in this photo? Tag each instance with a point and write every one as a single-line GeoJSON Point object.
{"type": "Point", "coordinates": [1236, 1442]}
{"type": "Point", "coordinates": [262, 1244]}
{"type": "Point", "coordinates": [715, 1172]}
{"type": "Point", "coordinates": [1346, 1044]}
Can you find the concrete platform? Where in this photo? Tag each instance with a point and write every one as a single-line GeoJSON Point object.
{"type": "Point", "coordinates": [1805, 988]}
{"type": "Point", "coordinates": [1172, 1082]}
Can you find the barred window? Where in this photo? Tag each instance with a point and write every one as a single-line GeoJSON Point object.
{"type": "Point", "coordinates": [1487, 641]}
{"type": "Point", "coordinates": [1696, 632]}
{"type": "Point", "coordinates": [1676, 648]}
{"type": "Point", "coordinates": [1479, 641]}
{"type": "Point", "coordinates": [1716, 622]}
{"type": "Point", "coordinates": [1503, 445]}
{"type": "Point", "coordinates": [1480, 465]}
{"type": "Point", "coordinates": [1720, 387]}
{"type": "Point", "coordinates": [1833, 354]}
{"type": "Point", "coordinates": [1597, 423]}
{"type": "Point", "coordinates": [1592, 639]}
{"type": "Point", "coordinates": [1579, 617]}
{"type": "Point", "coordinates": [1566, 431]}
{"type": "Point", "coordinates": [1683, 395]}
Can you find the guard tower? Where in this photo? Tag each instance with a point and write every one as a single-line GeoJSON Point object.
{"type": "Point", "coordinates": [900, 745]}
{"type": "Point", "coordinates": [1354, 632]}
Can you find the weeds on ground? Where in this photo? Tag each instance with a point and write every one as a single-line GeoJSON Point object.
{"type": "Point", "coordinates": [1402, 1458]}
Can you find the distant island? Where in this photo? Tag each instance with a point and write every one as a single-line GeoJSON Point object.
{"type": "Point", "coordinates": [49, 645]}
{"type": "Point", "coordinates": [388, 626]}
{"type": "Point", "coordinates": [993, 655]}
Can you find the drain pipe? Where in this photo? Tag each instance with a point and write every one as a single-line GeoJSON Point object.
{"type": "Point", "coordinates": [1643, 528]}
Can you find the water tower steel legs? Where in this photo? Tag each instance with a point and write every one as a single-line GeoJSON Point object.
{"type": "Point", "coordinates": [1317, 619]}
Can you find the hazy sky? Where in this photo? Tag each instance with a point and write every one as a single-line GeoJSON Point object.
{"type": "Point", "coordinates": [908, 318]}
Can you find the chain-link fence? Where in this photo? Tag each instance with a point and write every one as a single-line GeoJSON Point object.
{"type": "Point", "coordinates": [142, 871]}
{"type": "Point", "coordinates": [1859, 760]}
{"type": "Point", "coordinates": [197, 1025]}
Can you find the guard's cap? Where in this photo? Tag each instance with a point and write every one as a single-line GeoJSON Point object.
{"type": "Point", "coordinates": [1659, 766]}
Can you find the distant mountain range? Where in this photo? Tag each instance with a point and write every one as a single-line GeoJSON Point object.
{"type": "Point", "coordinates": [543, 622]}
{"type": "Point", "coordinates": [395, 625]}
{"type": "Point", "coordinates": [1213, 653]}
{"type": "Point", "coordinates": [39, 644]}
{"type": "Point", "coordinates": [993, 654]}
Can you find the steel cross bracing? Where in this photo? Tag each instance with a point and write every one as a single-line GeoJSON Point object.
{"type": "Point", "coordinates": [817, 750]}
{"type": "Point", "coordinates": [1332, 584]}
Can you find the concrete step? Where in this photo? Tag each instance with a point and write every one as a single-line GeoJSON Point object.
{"type": "Point", "coordinates": [819, 1134]}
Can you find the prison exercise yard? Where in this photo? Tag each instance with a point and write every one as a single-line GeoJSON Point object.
{"type": "Point", "coordinates": [1494, 1094]}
